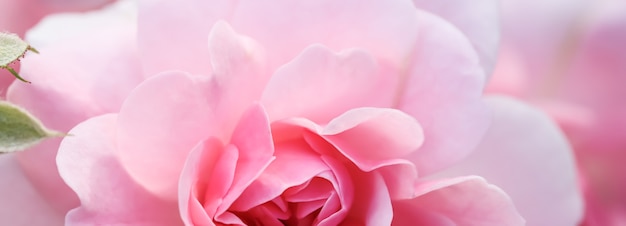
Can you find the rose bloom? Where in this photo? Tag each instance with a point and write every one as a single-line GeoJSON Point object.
{"type": "Point", "coordinates": [572, 66]}
{"type": "Point", "coordinates": [329, 113]}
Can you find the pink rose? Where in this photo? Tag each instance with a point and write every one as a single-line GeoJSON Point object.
{"type": "Point", "coordinates": [580, 84]}
{"type": "Point", "coordinates": [311, 112]}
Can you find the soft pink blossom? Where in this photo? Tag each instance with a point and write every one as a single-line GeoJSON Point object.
{"type": "Point", "coordinates": [308, 112]}
{"type": "Point", "coordinates": [579, 82]}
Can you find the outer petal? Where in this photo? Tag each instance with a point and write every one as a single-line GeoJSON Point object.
{"type": "Point", "coordinates": [88, 163]}
{"type": "Point", "coordinates": [58, 27]}
{"type": "Point", "coordinates": [85, 84]}
{"type": "Point", "coordinates": [459, 201]}
{"type": "Point", "coordinates": [386, 28]}
{"type": "Point", "coordinates": [320, 85]}
{"type": "Point", "coordinates": [21, 202]}
{"type": "Point", "coordinates": [445, 99]}
{"type": "Point", "coordinates": [525, 154]}
{"type": "Point", "coordinates": [189, 23]}
{"type": "Point", "coordinates": [478, 20]}
{"type": "Point", "coordinates": [164, 118]}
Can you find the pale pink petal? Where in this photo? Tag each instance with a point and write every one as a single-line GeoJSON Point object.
{"type": "Point", "coordinates": [59, 27]}
{"type": "Point", "coordinates": [526, 155]}
{"type": "Point", "coordinates": [320, 85]}
{"type": "Point", "coordinates": [467, 201]}
{"type": "Point", "coordinates": [386, 28]}
{"type": "Point", "coordinates": [184, 45]}
{"type": "Point", "coordinates": [478, 20]}
{"type": "Point", "coordinates": [445, 99]}
{"type": "Point", "coordinates": [89, 165]}
{"type": "Point", "coordinates": [378, 139]}
{"type": "Point", "coordinates": [374, 134]}
{"type": "Point", "coordinates": [85, 84]}
{"type": "Point", "coordinates": [165, 117]}
{"type": "Point", "coordinates": [21, 202]}
{"type": "Point", "coordinates": [239, 71]}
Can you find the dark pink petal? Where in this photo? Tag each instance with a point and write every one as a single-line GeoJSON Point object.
{"type": "Point", "coordinates": [281, 174]}
{"type": "Point", "coordinates": [372, 204]}
{"type": "Point", "coordinates": [320, 85]}
{"type": "Point", "coordinates": [445, 99]}
{"type": "Point", "coordinates": [22, 204]}
{"type": "Point", "coordinates": [203, 181]}
{"type": "Point", "coordinates": [525, 154]}
{"type": "Point", "coordinates": [464, 201]}
{"type": "Point", "coordinates": [89, 165]}
{"type": "Point", "coordinates": [214, 176]}
{"type": "Point", "coordinates": [478, 20]}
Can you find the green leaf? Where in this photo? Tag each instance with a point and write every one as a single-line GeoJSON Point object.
{"type": "Point", "coordinates": [12, 48]}
{"type": "Point", "coordinates": [19, 130]}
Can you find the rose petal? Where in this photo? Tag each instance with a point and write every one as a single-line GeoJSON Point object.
{"type": "Point", "coordinates": [371, 134]}
{"type": "Point", "coordinates": [319, 85]}
{"type": "Point", "coordinates": [89, 165]}
{"type": "Point", "coordinates": [58, 27]}
{"type": "Point", "coordinates": [463, 200]}
{"type": "Point", "coordinates": [189, 23]}
{"type": "Point", "coordinates": [280, 175]}
{"type": "Point", "coordinates": [21, 200]}
{"type": "Point", "coordinates": [192, 196]}
{"type": "Point", "coordinates": [378, 139]}
{"type": "Point", "coordinates": [239, 71]}
{"type": "Point", "coordinates": [253, 139]}
{"type": "Point", "coordinates": [444, 99]}
{"type": "Point", "coordinates": [387, 29]}
{"type": "Point", "coordinates": [165, 117]}
{"type": "Point", "coordinates": [86, 84]}
{"type": "Point", "coordinates": [478, 20]}
{"type": "Point", "coordinates": [539, 175]}
{"type": "Point", "coordinates": [372, 204]}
